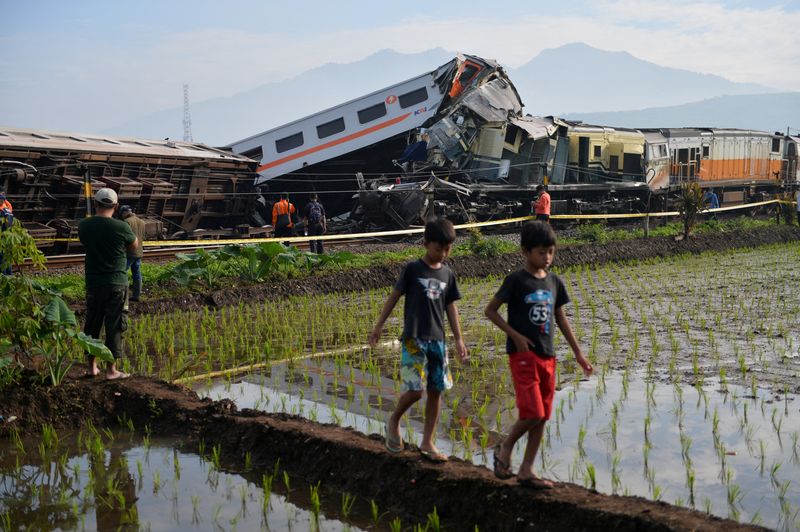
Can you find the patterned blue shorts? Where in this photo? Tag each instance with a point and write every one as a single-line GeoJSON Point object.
{"type": "Point", "coordinates": [425, 361]}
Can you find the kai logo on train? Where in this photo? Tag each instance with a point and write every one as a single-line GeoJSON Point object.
{"type": "Point", "coordinates": [421, 110]}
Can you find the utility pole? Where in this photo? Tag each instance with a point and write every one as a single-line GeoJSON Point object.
{"type": "Point", "coordinates": [187, 119]}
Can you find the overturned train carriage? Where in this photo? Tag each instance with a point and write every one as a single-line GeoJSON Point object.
{"type": "Point", "coordinates": [454, 141]}
{"type": "Point", "coordinates": [180, 189]}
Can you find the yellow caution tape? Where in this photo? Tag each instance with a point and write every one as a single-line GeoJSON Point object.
{"type": "Point", "coordinates": [419, 230]}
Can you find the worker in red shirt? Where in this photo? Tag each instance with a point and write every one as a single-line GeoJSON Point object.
{"type": "Point", "coordinates": [283, 216]}
{"type": "Point", "coordinates": [541, 207]}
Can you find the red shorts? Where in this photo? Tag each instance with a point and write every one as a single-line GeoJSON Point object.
{"type": "Point", "coordinates": [534, 384]}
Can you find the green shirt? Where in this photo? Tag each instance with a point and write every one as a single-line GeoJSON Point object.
{"type": "Point", "coordinates": [105, 240]}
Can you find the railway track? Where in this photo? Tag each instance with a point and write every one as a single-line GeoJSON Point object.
{"type": "Point", "coordinates": [57, 262]}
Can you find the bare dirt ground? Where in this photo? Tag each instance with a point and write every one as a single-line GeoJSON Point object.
{"type": "Point", "coordinates": [343, 459]}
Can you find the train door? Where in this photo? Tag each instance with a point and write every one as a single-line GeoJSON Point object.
{"type": "Point", "coordinates": [583, 158]}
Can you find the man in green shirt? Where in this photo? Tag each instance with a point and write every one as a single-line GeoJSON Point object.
{"type": "Point", "coordinates": [106, 241]}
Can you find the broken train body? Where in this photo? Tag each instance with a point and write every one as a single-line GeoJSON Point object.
{"type": "Point", "coordinates": [455, 140]}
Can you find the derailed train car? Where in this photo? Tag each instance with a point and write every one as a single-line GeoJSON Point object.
{"type": "Point", "coordinates": [180, 189]}
{"type": "Point", "coordinates": [455, 140]}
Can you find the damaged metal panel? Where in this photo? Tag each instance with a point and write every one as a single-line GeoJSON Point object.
{"type": "Point", "coordinates": [494, 102]}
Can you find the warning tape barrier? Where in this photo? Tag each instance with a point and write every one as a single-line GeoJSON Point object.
{"type": "Point", "coordinates": [420, 230]}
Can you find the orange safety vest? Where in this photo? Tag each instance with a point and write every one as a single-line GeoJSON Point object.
{"type": "Point", "coordinates": [6, 205]}
{"type": "Point", "coordinates": [282, 207]}
{"type": "Point", "coordinates": [542, 205]}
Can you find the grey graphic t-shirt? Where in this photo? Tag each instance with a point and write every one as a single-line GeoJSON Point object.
{"type": "Point", "coordinates": [428, 291]}
{"type": "Point", "coordinates": [531, 308]}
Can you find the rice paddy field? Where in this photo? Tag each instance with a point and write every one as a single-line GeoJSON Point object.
{"type": "Point", "coordinates": [693, 401]}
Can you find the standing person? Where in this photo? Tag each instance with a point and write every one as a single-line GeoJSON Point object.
{"type": "Point", "coordinates": [134, 257]}
{"type": "Point", "coordinates": [797, 202]}
{"type": "Point", "coordinates": [535, 298]}
{"type": "Point", "coordinates": [541, 207]}
{"type": "Point", "coordinates": [6, 221]}
{"type": "Point", "coordinates": [711, 199]}
{"type": "Point", "coordinates": [106, 240]}
{"type": "Point", "coordinates": [283, 213]}
{"type": "Point", "coordinates": [431, 292]}
{"type": "Point", "coordinates": [4, 203]}
{"type": "Point", "coordinates": [314, 218]}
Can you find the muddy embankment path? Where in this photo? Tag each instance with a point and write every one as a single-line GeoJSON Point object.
{"type": "Point", "coordinates": [348, 461]}
{"type": "Point", "coordinates": [343, 460]}
{"type": "Point", "coordinates": [473, 267]}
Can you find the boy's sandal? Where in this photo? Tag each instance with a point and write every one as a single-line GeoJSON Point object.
{"type": "Point", "coordinates": [501, 469]}
{"type": "Point", "coordinates": [437, 457]}
{"type": "Point", "coordinates": [392, 444]}
{"type": "Point", "coordinates": [535, 483]}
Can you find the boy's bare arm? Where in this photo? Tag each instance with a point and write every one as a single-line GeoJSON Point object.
{"type": "Point", "coordinates": [455, 326]}
{"type": "Point", "coordinates": [491, 311]}
{"type": "Point", "coordinates": [566, 330]}
{"type": "Point", "coordinates": [391, 301]}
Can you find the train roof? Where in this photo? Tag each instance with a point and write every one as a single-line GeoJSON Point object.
{"type": "Point", "coordinates": [707, 131]}
{"type": "Point", "coordinates": [435, 73]}
{"type": "Point", "coordinates": [70, 141]}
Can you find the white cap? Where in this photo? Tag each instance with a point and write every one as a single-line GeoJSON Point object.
{"type": "Point", "coordinates": [106, 197]}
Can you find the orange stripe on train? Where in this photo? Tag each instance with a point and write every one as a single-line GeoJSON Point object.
{"type": "Point", "coordinates": [347, 138]}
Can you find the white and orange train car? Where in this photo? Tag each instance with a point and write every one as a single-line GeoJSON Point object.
{"type": "Point", "coordinates": [738, 161]}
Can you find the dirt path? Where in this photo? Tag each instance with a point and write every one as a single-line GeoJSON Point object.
{"type": "Point", "coordinates": [344, 460]}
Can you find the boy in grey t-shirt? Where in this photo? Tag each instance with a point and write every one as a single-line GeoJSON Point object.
{"type": "Point", "coordinates": [431, 292]}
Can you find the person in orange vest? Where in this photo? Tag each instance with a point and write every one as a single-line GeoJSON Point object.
{"type": "Point", "coordinates": [4, 203]}
{"type": "Point", "coordinates": [541, 207]}
{"type": "Point", "coordinates": [283, 215]}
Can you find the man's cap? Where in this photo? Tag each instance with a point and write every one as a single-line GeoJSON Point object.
{"type": "Point", "coordinates": [125, 209]}
{"type": "Point", "coordinates": [2, 196]}
{"type": "Point", "coordinates": [106, 197]}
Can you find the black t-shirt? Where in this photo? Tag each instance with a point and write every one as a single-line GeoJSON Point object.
{"type": "Point", "coordinates": [531, 308]}
{"type": "Point", "coordinates": [307, 213]}
{"type": "Point", "coordinates": [428, 291]}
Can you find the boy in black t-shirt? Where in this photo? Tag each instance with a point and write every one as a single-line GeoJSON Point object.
{"type": "Point", "coordinates": [431, 292]}
{"type": "Point", "coordinates": [536, 299]}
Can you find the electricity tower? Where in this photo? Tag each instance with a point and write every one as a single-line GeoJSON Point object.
{"type": "Point", "coordinates": [187, 119]}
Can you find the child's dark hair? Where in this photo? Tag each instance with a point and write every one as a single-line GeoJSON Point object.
{"type": "Point", "coordinates": [535, 234]}
{"type": "Point", "coordinates": [440, 230]}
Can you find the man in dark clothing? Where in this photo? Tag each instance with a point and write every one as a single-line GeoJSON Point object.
{"type": "Point", "coordinates": [106, 240]}
{"type": "Point", "coordinates": [283, 214]}
{"type": "Point", "coordinates": [314, 218]}
{"type": "Point", "coordinates": [6, 221]}
{"type": "Point", "coordinates": [134, 259]}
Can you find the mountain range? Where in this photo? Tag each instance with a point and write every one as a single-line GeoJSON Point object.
{"type": "Point", "coordinates": [575, 81]}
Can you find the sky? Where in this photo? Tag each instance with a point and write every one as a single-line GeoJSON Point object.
{"type": "Point", "coordinates": [86, 66]}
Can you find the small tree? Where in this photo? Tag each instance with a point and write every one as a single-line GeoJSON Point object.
{"type": "Point", "coordinates": [16, 244]}
{"type": "Point", "coordinates": [690, 204]}
{"type": "Point", "coordinates": [34, 320]}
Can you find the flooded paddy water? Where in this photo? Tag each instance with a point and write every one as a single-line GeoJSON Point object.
{"type": "Point", "coordinates": [103, 480]}
{"type": "Point", "coordinates": [712, 447]}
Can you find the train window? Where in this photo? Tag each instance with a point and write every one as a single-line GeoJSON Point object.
{"type": "Point", "coordinates": [412, 98]}
{"type": "Point", "coordinates": [706, 151]}
{"type": "Point", "coordinates": [662, 150]}
{"type": "Point", "coordinates": [330, 128]}
{"type": "Point", "coordinates": [254, 153]}
{"type": "Point", "coordinates": [776, 144]}
{"type": "Point", "coordinates": [597, 151]}
{"type": "Point", "coordinates": [371, 113]}
{"type": "Point", "coordinates": [613, 163]}
{"type": "Point", "coordinates": [288, 143]}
